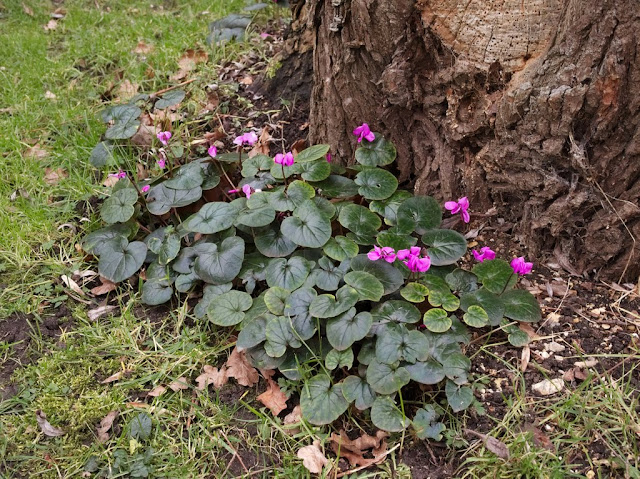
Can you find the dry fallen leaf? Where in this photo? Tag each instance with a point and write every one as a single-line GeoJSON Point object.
{"type": "Point", "coordinates": [496, 446]}
{"type": "Point", "coordinates": [102, 431]}
{"type": "Point", "coordinates": [46, 427]}
{"type": "Point", "coordinates": [157, 391]}
{"type": "Point", "coordinates": [51, 25]}
{"type": "Point", "coordinates": [94, 314]}
{"type": "Point", "coordinates": [262, 146]}
{"type": "Point", "coordinates": [36, 152]}
{"type": "Point", "coordinates": [525, 357]}
{"type": "Point", "coordinates": [49, 95]}
{"type": "Point", "coordinates": [273, 398]}
{"type": "Point", "coordinates": [142, 48]}
{"type": "Point", "coordinates": [188, 62]}
{"type": "Point", "coordinates": [127, 90]}
{"type": "Point", "coordinates": [239, 368]}
{"type": "Point", "coordinates": [104, 288]}
{"type": "Point", "coordinates": [71, 284]}
{"type": "Point", "coordinates": [294, 417]}
{"type": "Point", "coordinates": [115, 377]}
{"type": "Point", "coordinates": [298, 146]}
{"type": "Point", "coordinates": [213, 376]}
{"type": "Point", "coordinates": [575, 373]}
{"type": "Point", "coordinates": [27, 10]}
{"type": "Point", "coordinates": [183, 383]}
{"type": "Point", "coordinates": [312, 458]}
{"type": "Point", "coordinates": [52, 176]}
{"type": "Point", "coordinates": [540, 439]}
{"type": "Point", "coordinates": [145, 135]}
{"type": "Point", "coordinates": [110, 181]}
{"type": "Point", "coordinates": [354, 450]}
{"type": "Point", "coordinates": [526, 327]}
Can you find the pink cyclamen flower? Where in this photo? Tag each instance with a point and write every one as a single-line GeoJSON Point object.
{"type": "Point", "coordinates": [407, 253]}
{"type": "Point", "coordinates": [520, 266]}
{"type": "Point", "coordinates": [164, 137]}
{"type": "Point", "coordinates": [461, 206]}
{"type": "Point", "coordinates": [213, 151]}
{"type": "Point", "coordinates": [387, 253]}
{"type": "Point", "coordinates": [247, 190]}
{"type": "Point", "coordinates": [485, 253]}
{"type": "Point", "coordinates": [162, 163]}
{"type": "Point", "coordinates": [145, 188]}
{"type": "Point", "coordinates": [285, 160]}
{"type": "Point", "coordinates": [363, 131]}
{"type": "Point", "coordinates": [328, 157]}
{"type": "Point", "coordinates": [120, 174]}
{"type": "Point", "coordinates": [247, 139]}
{"type": "Point", "coordinates": [417, 264]}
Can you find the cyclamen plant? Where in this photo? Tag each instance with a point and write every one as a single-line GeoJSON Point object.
{"type": "Point", "coordinates": [331, 275]}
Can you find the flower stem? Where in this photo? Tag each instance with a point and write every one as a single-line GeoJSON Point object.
{"type": "Point", "coordinates": [506, 284]}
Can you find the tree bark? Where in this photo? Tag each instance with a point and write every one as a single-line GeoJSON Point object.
{"type": "Point", "coordinates": [533, 107]}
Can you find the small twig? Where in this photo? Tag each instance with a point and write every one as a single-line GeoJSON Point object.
{"type": "Point", "coordinates": [235, 456]}
{"type": "Point", "coordinates": [165, 90]}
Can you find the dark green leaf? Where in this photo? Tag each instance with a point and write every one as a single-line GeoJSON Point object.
{"type": "Point", "coordinates": [425, 424]}
{"type": "Point", "coordinates": [419, 214]}
{"type": "Point", "coordinates": [307, 227]}
{"type": "Point", "coordinates": [396, 311]}
{"type": "Point", "coordinates": [354, 388]}
{"type": "Point", "coordinates": [329, 306]}
{"type": "Point", "coordinates": [170, 98]}
{"type": "Point", "coordinates": [256, 217]}
{"type": "Point", "coordinates": [312, 153]}
{"type": "Point", "coordinates": [339, 359]}
{"type": "Point", "coordinates": [288, 274]}
{"type": "Point", "coordinates": [337, 187]}
{"type": "Point", "coordinates": [320, 402]}
{"type": "Point", "coordinates": [317, 170]}
{"type": "Point", "coordinates": [368, 286]}
{"type": "Point", "coordinates": [456, 366]}
{"type": "Point", "coordinates": [520, 305]}
{"type": "Point", "coordinates": [210, 292]}
{"type": "Point", "coordinates": [445, 246]}
{"type": "Point", "coordinates": [359, 219]}
{"type": "Point", "coordinates": [327, 276]}
{"type": "Point", "coordinates": [186, 177]}
{"type": "Point", "coordinates": [397, 343]}
{"type": "Point", "coordinates": [376, 184]}
{"type": "Point", "coordinates": [251, 166]}
{"type": "Point", "coordinates": [220, 264]}
{"type": "Point", "coordinates": [126, 122]}
{"type": "Point", "coordinates": [119, 260]}
{"type": "Point", "coordinates": [462, 281]}
{"type": "Point", "coordinates": [390, 277]}
{"type": "Point", "coordinates": [161, 199]}
{"type": "Point", "coordinates": [388, 208]}
{"type": "Point", "coordinates": [394, 240]}
{"type": "Point", "coordinates": [386, 378]}
{"type": "Point", "coordinates": [459, 397]}
{"type": "Point", "coordinates": [426, 372]}
{"type": "Point", "coordinates": [140, 426]}
{"type": "Point", "coordinates": [297, 308]}
{"type": "Point", "coordinates": [387, 416]}
{"type": "Point", "coordinates": [118, 208]}
{"type": "Point", "coordinates": [272, 243]}
{"type": "Point", "coordinates": [348, 328]}
{"type": "Point", "coordinates": [518, 338]}
{"type": "Point", "coordinates": [228, 308]}
{"type": "Point", "coordinates": [378, 152]}
{"type": "Point", "coordinates": [495, 275]}
{"type": "Point", "coordinates": [258, 358]}
{"type": "Point", "coordinates": [101, 154]}
{"type": "Point", "coordinates": [185, 282]}
{"type": "Point", "coordinates": [340, 248]}
{"type": "Point", "coordinates": [212, 218]}
{"type": "Point", "coordinates": [280, 336]}
{"type": "Point", "coordinates": [95, 242]}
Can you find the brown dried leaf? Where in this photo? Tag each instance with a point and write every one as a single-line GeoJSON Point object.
{"type": "Point", "coordinates": [110, 181]}
{"type": "Point", "coordinates": [157, 391]}
{"type": "Point", "coordinates": [36, 152]}
{"type": "Point", "coordinates": [51, 25]}
{"type": "Point", "coordinates": [273, 398]}
{"type": "Point", "coordinates": [526, 327]}
{"type": "Point", "coordinates": [127, 90]}
{"type": "Point", "coordinates": [540, 439]}
{"type": "Point", "coordinates": [102, 431]}
{"type": "Point", "coordinates": [104, 288]}
{"type": "Point", "coordinates": [494, 445]}
{"type": "Point", "coordinates": [294, 417]}
{"type": "Point", "coordinates": [262, 146]}
{"type": "Point", "coordinates": [115, 377]}
{"type": "Point", "coordinates": [312, 458]}
{"type": "Point", "coordinates": [525, 357]}
{"type": "Point", "coordinates": [240, 369]}
{"type": "Point", "coordinates": [26, 9]}
{"type": "Point", "coordinates": [188, 62]}
{"type": "Point", "coordinates": [145, 135]}
{"type": "Point", "coordinates": [183, 383]}
{"type": "Point", "coordinates": [52, 176]}
{"type": "Point", "coordinates": [46, 427]}
{"type": "Point", "coordinates": [575, 373]}
{"type": "Point", "coordinates": [213, 376]}
{"type": "Point", "coordinates": [142, 48]}
{"type": "Point", "coordinates": [354, 450]}
{"type": "Point", "coordinates": [246, 80]}
{"type": "Point", "coordinates": [94, 314]}
{"type": "Point", "coordinates": [71, 284]}
{"type": "Point", "coordinates": [298, 146]}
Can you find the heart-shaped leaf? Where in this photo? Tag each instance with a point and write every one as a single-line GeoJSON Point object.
{"type": "Point", "coordinates": [445, 246]}
{"type": "Point", "coordinates": [317, 170]}
{"type": "Point", "coordinates": [456, 366]}
{"type": "Point", "coordinates": [396, 311]}
{"type": "Point", "coordinates": [274, 299]}
{"type": "Point", "coordinates": [228, 308]}
{"type": "Point", "coordinates": [272, 243]}
{"type": "Point", "coordinates": [436, 320]}
{"type": "Point", "coordinates": [95, 242]}
{"type": "Point", "coordinates": [337, 187]}
{"type": "Point", "coordinates": [297, 308]}
{"type": "Point", "coordinates": [185, 282]}
{"type": "Point", "coordinates": [368, 286]}
{"type": "Point", "coordinates": [518, 338]}
{"type": "Point", "coordinates": [387, 416]}
{"type": "Point", "coordinates": [280, 336]}
{"type": "Point", "coordinates": [171, 98]}
{"type": "Point", "coordinates": [376, 184]}
{"type": "Point", "coordinates": [126, 123]}
{"type": "Point", "coordinates": [495, 275]}
{"type": "Point", "coordinates": [462, 281]}
{"type": "Point", "coordinates": [256, 217]}
{"type": "Point", "coordinates": [339, 359]}
{"type": "Point", "coordinates": [348, 328]}
{"type": "Point", "coordinates": [253, 332]}
{"type": "Point", "coordinates": [212, 218]}
{"type": "Point", "coordinates": [320, 402]}
{"type": "Point", "coordinates": [327, 276]}
{"type": "Point", "coordinates": [354, 388]}
{"type": "Point", "coordinates": [388, 208]}
{"type": "Point", "coordinates": [167, 248]}
{"type": "Point", "coordinates": [476, 317]}
{"type": "Point", "coordinates": [121, 259]}
{"type": "Point", "coordinates": [307, 227]}
{"type": "Point", "coordinates": [414, 292]}
{"type": "Point", "coordinates": [118, 208]}
{"type": "Point", "coordinates": [459, 397]}
{"type": "Point", "coordinates": [157, 288]}
{"type": "Point", "coordinates": [490, 302]}
{"type": "Point", "coordinates": [259, 358]}
{"type": "Point", "coordinates": [359, 219]}
{"type": "Point", "coordinates": [520, 305]}
{"type": "Point", "coordinates": [251, 166]}
{"type": "Point", "coordinates": [219, 264]}
{"type": "Point", "coordinates": [340, 248]}
{"type": "Point", "coordinates": [426, 372]}
{"type": "Point", "coordinates": [425, 425]}
{"type": "Point", "coordinates": [439, 293]}
{"type": "Point", "coordinates": [394, 240]}
{"type": "Point", "coordinates": [161, 199]}
{"type": "Point", "coordinates": [101, 154]}
{"type": "Point", "coordinates": [288, 274]}
{"type": "Point", "coordinates": [386, 378]}
{"type": "Point", "coordinates": [210, 292]}
{"type": "Point", "coordinates": [419, 214]}
{"type": "Point", "coordinates": [186, 177]}
{"type": "Point", "coordinates": [312, 153]}
{"type": "Point", "coordinates": [378, 152]}
{"type": "Point", "coordinates": [329, 306]}
{"type": "Point", "coordinates": [397, 343]}
{"type": "Point", "coordinates": [390, 277]}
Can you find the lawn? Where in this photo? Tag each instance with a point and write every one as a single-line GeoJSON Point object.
{"type": "Point", "coordinates": [62, 64]}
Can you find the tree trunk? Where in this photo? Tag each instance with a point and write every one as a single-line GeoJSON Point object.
{"type": "Point", "coordinates": [533, 107]}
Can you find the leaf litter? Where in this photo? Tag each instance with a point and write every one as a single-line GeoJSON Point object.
{"type": "Point", "coordinates": [313, 458]}
{"type": "Point", "coordinates": [102, 431]}
{"type": "Point", "coordinates": [46, 427]}
{"type": "Point", "coordinates": [363, 451]}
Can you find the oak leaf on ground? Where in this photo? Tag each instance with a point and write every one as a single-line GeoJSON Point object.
{"type": "Point", "coordinates": [273, 398]}
{"type": "Point", "coordinates": [313, 458]}
{"type": "Point", "coordinates": [239, 368]}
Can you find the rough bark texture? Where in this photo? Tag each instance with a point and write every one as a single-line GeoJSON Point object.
{"type": "Point", "coordinates": [532, 106]}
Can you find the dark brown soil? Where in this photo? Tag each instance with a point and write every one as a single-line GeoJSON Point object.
{"type": "Point", "coordinates": [19, 330]}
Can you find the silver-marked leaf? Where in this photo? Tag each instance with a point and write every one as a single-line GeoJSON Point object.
{"type": "Point", "coordinates": [161, 199]}
{"type": "Point", "coordinates": [520, 305]}
{"type": "Point", "coordinates": [228, 308]}
{"type": "Point", "coordinates": [259, 358]}
{"type": "Point", "coordinates": [210, 292]}
{"type": "Point", "coordinates": [426, 372]}
{"type": "Point", "coordinates": [218, 264]}
{"type": "Point", "coordinates": [288, 274]}
{"type": "Point", "coordinates": [359, 220]}
{"type": "Point", "coordinates": [297, 309]}
{"type": "Point", "coordinates": [320, 402]}
{"type": "Point", "coordinates": [329, 306]}
{"type": "Point", "coordinates": [456, 366]}
{"type": "Point", "coordinates": [392, 239]}
{"type": "Point", "coordinates": [462, 281]}
{"type": "Point", "coordinates": [280, 336]}
{"type": "Point", "coordinates": [386, 378]}
{"type": "Point", "coordinates": [396, 311]}
{"type": "Point", "coordinates": [157, 288]}
{"type": "Point", "coordinates": [490, 302]}
{"type": "Point", "coordinates": [171, 98]}
{"type": "Point", "coordinates": [272, 243]}
{"type": "Point", "coordinates": [118, 208]}
{"type": "Point", "coordinates": [125, 122]}
{"type": "Point", "coordinates": [390, 277]}
{"type": "Point", "coordinates": [327, 276]}
{"type": "Point", "coordinates": [495, 275]}
{"type": "Point", "coordinates": [212, 218]}
{"type": "Point", "coordinates": [256, 217]}
{"type": "Point", "coordinates": [186, 177]}
{"type": "Point", "coordinates": [437, 320]}
{"type": "Point", "coordinates": [340, 248]}
{"type": "Point", "coordinates": [425, 425]}
{"type": "Point", "coordinates": [397, 343]}
{"type": "Point", "coordinates": [388, 208]}
{"type": "Point", "coordinates": [445, 246]}
{"type": "Point", "coordinates": [419, 214]}
{"type": "Point", "coordinates": [251, 166]}
{"type": "Point", "coordinates": [337, 187]}
{"type": "Point", "coordinates": [100, 239]}
{"type": "Point", "coordinates": [378, 152]}
{"type": "Point", "coordinates": [339, 359]}
{"type": "Point", "coordinates": [376, 184]}
{"type": "Point", "coordinates": [185, 282]}
{"type": "Point", "coordinates": [253, 332]}
{"type": "Point", "coordinates": [101, 154]}
{"type": "Point", "coordinates": [121, 259]}
{"type": "Point", "coordinates": [458, 397]}
{"type": "Point", "coordinates": [308, 227]}
{"type": "Point", "coordinates": [386, 415]}
{"type": "Point", "coordinates": [368, 286]}
{"type": "Point", "coordinates": [354, 388]}
{"type": "Point", "coordinates": [298, 192]}
{"type": "Point", "coordinates": [184, 261]}
{"type": "Point", "coordinates": [349, 327]}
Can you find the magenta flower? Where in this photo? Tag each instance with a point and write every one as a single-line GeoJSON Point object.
{"type": "Point", "coordinates": [247, 139]}
{"type": "Point", "coordinates": [145, 188]}
{"type": "Point", "coordinates": [231, 192]}
{"type": "Point", "coordinates": [520, 266]}
{"type": "Point", "coordinates": [162, 163]}
{"type": "Point", "coordinates": [417, 264]}
{"type": "Point", "coordinates": [363, 131]}
{"type": "Point", "coordinates": [284, 160]}
{"type": "Point", "coordinates": [328, 157]}
{"type": "Point", "coordinates": [120, 174]}
{"type": "Point", "coordinates": [387, 253]}
{"type": "Point", "coordinates": [485, 253]}
{"type": "Point", "coordinates": [213, 151]}
{"type": "Point", "coordinates": [164, 137]}
{"type": "Point", "coordinates": [407, 253]}
{"type": "Point", "coordinates": [461, 206]}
